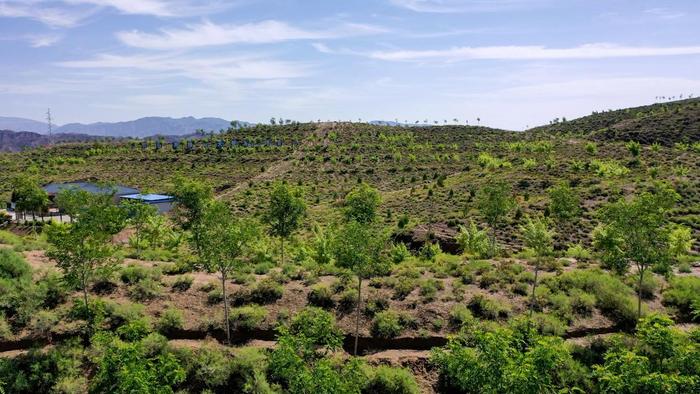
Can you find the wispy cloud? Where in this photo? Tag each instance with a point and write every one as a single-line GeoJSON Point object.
{"type": "Point", "coordinates": [211, 34]}
{"type": "Point", "coordinates": [456, 6]}
{"type": "Point", "coordinates": [208, 69]}
{"type": "Point", "coordinates": [70, 13]}
{"type": "Point", "coordinates": [43, 40]}
{"type": "Point", "coordinates": [664, 13]}
{"type": "Point", "coordinates": [514, 52]}
{"type": "Point", "coordinates": [49, 15]}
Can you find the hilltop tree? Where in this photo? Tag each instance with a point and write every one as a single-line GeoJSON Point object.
{"type": "Point", "coordinates": [360, 247]}
{"type": "Point", "coordinates": [191, 199]}
{"type": "Point", "coordinates": [495, 201]}
{"type": "Point", "coordinates": [140, 214]}
{"type": "Point", "coordinates": [361, 204]}
{"type": "Point", "coordinates": [285, 212]}
{"type": "Point", "coordinates": [537, 236]}
{"type": "Point", "coordinates": [637, 231]}
{"type": "Point", "coordinates": [225, 241]}
{"type": "Point", "coordinates": [83, 249]}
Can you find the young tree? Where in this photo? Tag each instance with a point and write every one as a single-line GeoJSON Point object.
{"type": "Point", "coordinates": [537, 237]}
{"type": "Point", "coordinates": [360, 247]}
{"type": "Point", "coordinates": [564, 203]}
{"type": "Point", "coordinates": [140, 214]}
{"type": "Point", "coordinates": [28, 195]}
{"type": "Point", "coordinates": [495, 201]}
{"type": "Point", "coordinates": [285, 212]}
{"type": "Point", "coordinates": [361, 204]}
{"type": "Point", "coordinates": [225, 241]}
{"type": "Point", "coordinates": [639, 232]}
{"type": "Point", "coordinates": [83, 249]}
{"type": "Point", "coordinates": [191, 199]}
{"type": "Point", "coordinates": [71, 200]}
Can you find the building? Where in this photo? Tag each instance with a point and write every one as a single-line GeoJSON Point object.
{"type": "Point", "coordinates": [162, 202]}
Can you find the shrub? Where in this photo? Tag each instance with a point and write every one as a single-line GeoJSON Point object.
{"type": "Point", "coordinates": [12, 265]}
{"type": "Point", "coordinates": [247, 317]}
{"type": "Point", "coordinates": [390, 380]}
{"type": "Point", "coordinates": [347, 300]}
{"type": "Point", "coordinates": [578, 252]}
{"type": "Point", "coordinates": [429, 251]}
{"type": "Point", "coordinates": [321, 296]}
{"type": "Point", "coordinates": [487, 307]}
{"type": "Point", "coordinates": [215, 296]}
{"type": "Point", "coordinates": [386, 324]}
{"type": "Point", "coordinates": [135, 330]}
{"type": "Point", "coordinates": [582, 303]}
{"type": "Point", "coordinates": [183, 282]}
{"type": "Point", "coordinates": [473, 241]}
{"type": "Point", "coordinates": [172, 319]}
{"type": "Point", "coordinates": [373, 305]}
{"type": "Point", "coordinates": [429, 289]}
{"type": "Point", "coordinates": [547, 324]}
{"type": "Point", "coordinates": [211, 367]}
{"type": "Point", "coordinates": [403, 287]}
{"type": "Point", "coordinates": [265, 292]}
{"type": "Point", "coordinates": [134, 273]}
{"type": "Point", "coordinates": [459, 315]}
{"type": "Point", "coordinates": [399, 253]}
{"type": "Point", "coordinates": [248, 368]}
{"type": "Point", "coordinates": [146, 289]}
{"type": "Point", "coordinates": [681, 294]}
{"type": "Point", "coordinates": [123, 313]}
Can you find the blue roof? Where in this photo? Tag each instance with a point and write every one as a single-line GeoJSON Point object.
{"type": "Point", "coordinates": [53, 188]}
{"type": "Point", "coordinates": [150, 197]}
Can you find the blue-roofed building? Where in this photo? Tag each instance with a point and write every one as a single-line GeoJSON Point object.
{"type": "Point", "coordinates": [162, 202]}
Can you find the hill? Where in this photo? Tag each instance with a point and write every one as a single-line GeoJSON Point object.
{"type": "Point", "coordinates": [143, 127]}
{"type": "Point", "coordinates": [14, 141]}
{"type": "Point", "coordinates": [665, 123]}
{"type": "Point", "coordinates": [22, 124]}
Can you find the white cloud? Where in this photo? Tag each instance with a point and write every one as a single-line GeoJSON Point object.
{"type": "Point", "coordinates": [212, 70]}
{"type": "Point", "coordinates": [50, 16]}
{"type": "Point", "coordinates": [456, 6]}
{"type": "Point", "coordinates": [211, 34]}
{"type": "Point", "coordinates": [513, 52]}
{"type": "Point", "coordinates": [40, 41]}
{"type": "Point", "coordinates": [69, 13]}
{"type": "Point", "coordinates": [664, 13]}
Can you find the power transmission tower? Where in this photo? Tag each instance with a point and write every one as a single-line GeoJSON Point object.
{"type": "Point", "coordinates": [48, 120]}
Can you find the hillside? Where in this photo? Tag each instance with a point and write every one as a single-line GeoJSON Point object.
{"type": "Point", "coordinates": [665, 123]}
{"type": "Point", "coordinates": [22, 124]}
{"type": "Point", "coordinates": [14, 141]}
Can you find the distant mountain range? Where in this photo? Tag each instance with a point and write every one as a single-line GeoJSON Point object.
{"type": "Point", "coordinates": [14, 141]}
{"type": "Point", "coordinates": [143, 127]}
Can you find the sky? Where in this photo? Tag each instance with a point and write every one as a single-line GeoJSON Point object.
{"type": "Point", "coordinates": [510, 63]}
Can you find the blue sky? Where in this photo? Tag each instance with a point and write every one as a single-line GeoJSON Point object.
{"type": "Point", "coordinates": [511, 63]}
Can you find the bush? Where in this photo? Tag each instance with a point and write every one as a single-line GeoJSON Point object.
{"type": "Point", "coordinates": [134, 273]}
{"type": "Point", "coordinates": [460, 315]}
{"type": "Point", "coordinates": [247, 317]}
{"type": "Point", "coordinates": [321, 296]}
{"type": "Point", "coordinates": [265, 292]}
{"type": "Point", "coordinates": [183, 282]}
{"type": "Point", "coordinates": [373, 305]}
{"type": "Point", "coordinates": [215, 296]}
{"type": "Point", "coordinates": [399, 253]}
{"type": "Point", "coordinates": [347, 300]}
{"type": "Point", "coordinates": [135, 330]}
{"type": "Point", "coordinates": [682, 293]}
{"type": "Point", "coordinates": [429, 289]}
{"type": "Point", "coordinates": [403, 287]}
{"type": "Point", "coordinates": [146, 289]}
{"type": "Point", "coordinates": [386, 324]}
{"type": "Point", "coordinates": [429, 251]}
{"type": "Point", "coordinates": [547, 324]}
{"type": "Point", "coordinates": [487, 307]}
{"type": "Point", "coordinates": [390, 380]}
{"type": "Point", "coordinates": [578, 252]}
{"type": "Point", "coordinates": [211, 367]}
{"type": "Point", "coordinates": [473, 241]}
{"type": "Point", "coordinates": [172, 319]}
{"type": "Point", "coordinates": [124, 313]}
{"type": "Point", "coordinates": [12, 265]}
{"type": "Point", "coordinates": [582, 303]}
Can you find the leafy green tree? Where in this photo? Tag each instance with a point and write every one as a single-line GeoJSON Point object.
{"type": "Point", "coordinates": [28, 195]}
{"type": "Point", "coordinates": [360, 248]}
{"type": "Point", "coordinates": [191, 199]}
{"type": "Point", "coordinates": [564, 203]}
{"type": "Point", "coordinates": [680, 241]}
{"type": "Point", "coordinates": [537, 236]}
{"type": "Point", "coordinates": [71, 200]}
{"type": "Point", "coordinates": [285, 212]}
{"type": "Point", "coordinates": [83, 248]}
{"type": "Point", "coordinates": [638, 231]}
{"type": "Point", "coordinates": [361, 204]}
{"type": "Point", "coordinates": [140, 214]}
{"type": "Point", "coordinates": [225, 241]}
{"type": "Point", "coordinates": [495, 201]}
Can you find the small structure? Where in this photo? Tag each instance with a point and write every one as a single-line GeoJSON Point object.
{"type": "Point", "coordinates": [162, 202]}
